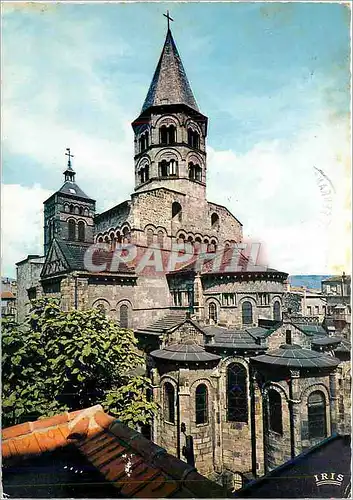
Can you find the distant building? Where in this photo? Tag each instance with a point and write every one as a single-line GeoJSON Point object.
{"type": "Point", "coordinates": [8, 298]}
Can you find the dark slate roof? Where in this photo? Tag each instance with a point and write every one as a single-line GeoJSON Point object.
{"type": "Point", "coordinates": [293, 356]}
{"type": "Point", "coordinates": [72, 189]}
{"type": "Point", "coordinates": [74, 253]}
{"type": "Point", "coordinates": [225, 266]}
{"type": "Point", "coordinates": [310, 329]}
{"type": "Point", "coordinates": [344, 346]}
{"type": "Point", "coordinates": [260, 332]}
{"type": "Point", "coordinates": [169, 83]}
{"type": "Point", "coordinates": [326, 340]}
{"type": "Point", "coordinates": [296, 478]}
{"type": "Point", "coordinates": [164, 324]}
{"type": "Point", "coordinates": [188, 352]}
{"type": "Point", "coordinates": [234, 339]}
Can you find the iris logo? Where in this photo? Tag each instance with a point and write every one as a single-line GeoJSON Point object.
{"type": "Point", "coordinates": [328, 478]}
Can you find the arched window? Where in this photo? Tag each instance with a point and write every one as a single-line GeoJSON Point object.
{"type": "Point", "coordinates": [160, 238]}
{"type": "Point", "coordinates": [124, 316]}
{"type": "Point", "coordinates": [169, 403]}
{"type": "Point", "coordinates": [72, 230]}
{"type": "Point", "coordinates": [237, 398]}
{"type": "Point", "coordinates": [101, 308]}
{"type": "Point", "coordinates": [317, 415]}
{"type": "Point", "coordinates": [176, 211]}
{"type": "Point", "coordinates": [163, 167]}
{"type": "Point", "coordinates": [191, 171]}
{"type": "Point", "coordinates": [212, 312]}
{"type": "Point", "coordinates": [149, 236]}
{"type": "Point", "coordinates": [201, 404]}
{"type": "Point", "coordinates": [214, 221]}
{"type": "Point", "coordinates": [193, 139]}
{"type": "Point", "coordinates": [71, 208]}
{"type": "Point", "coordinates": [81, 231]}
{"type": "Point", "coordinates": [277, 311]}
{"type": "Point", "coordinates": [171, 134]}
{"type": "Point", "coordinates": [247, 313]}
{"type": "Point", "coordinates": [163, 135]}
{"type": "Point", "coordinates": [198, 173]}
{"type": "Point", "coordinates": [275, 411]}
{"type": "Point", "coordinates": [173, 167]}
{"type": "Point", "coordinates": [126, 235]}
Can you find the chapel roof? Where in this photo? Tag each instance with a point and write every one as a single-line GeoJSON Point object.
{"type": "Point", "coordinates": [294, 356]}
{"type": "Point", "coordinates": [169, 84]}
{"type": "Point", "coordinates": [187, 352]}
{"type": "Point", "coordinates": [107, 445]}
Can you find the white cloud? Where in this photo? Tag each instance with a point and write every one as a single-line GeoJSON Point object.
{"type": "Point", "coordinates": [22, 223]}
{"type": "Point", "coordinates": [274, 190]}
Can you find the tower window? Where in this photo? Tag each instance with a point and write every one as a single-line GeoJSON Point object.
{"type": "Point", "coordinates": [124, 316]}
{"type": "Point", "coordinates": [168, 168]}
{"type": "Point", "coordinates": [275, 411]}
{"type": "Point", "coordinates": [237, 399]}
{"type": "Point", "coordinates": [71, 230]}
{"type": "Point", "coordinates": [193, 139]}
{"type": "Point", "coordinates": [195, 172]}
{"type": "Point", "coordinates": [160, 238]}
{"type": "Point", "coordinates": [169, 403]}
{"type": "Point", "coordinates": [247, 316]}
{"type": "Point", "coordinates": [214, 221]}
{"type": "Point", "coordinates": [144, 174]}
{"type": "Point", "coordinates": [317, 415]}
{"type": "Point", "coordinates": [201, 404]}
{"type": "Point", "coordinates": [277, 311]}
{"type": "Point", "coordinates": [176, 211]}
{"type": "Point", "coordinates": [71, 208]}
{"type": "Point", "coordinates": [144, 142]}
{"type": "Point", "coordinates": [81, 231]}
{"type": "Point", "coordinates": [212, 312]}
{"type": "Point", "coordinates": [149, 236]}
{"type": "Point", "coordinates": [167, 134]}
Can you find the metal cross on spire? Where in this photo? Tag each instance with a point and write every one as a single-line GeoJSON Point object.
{"type": "Point", "coordinates": [169, 18]}
{"type": "Point", "coordinates": [70, 156]}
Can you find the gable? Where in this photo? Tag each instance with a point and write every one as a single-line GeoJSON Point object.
{"type": "Point", "coordinates": [55, 261]}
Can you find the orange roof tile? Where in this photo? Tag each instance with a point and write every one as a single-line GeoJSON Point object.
{"type": "Point", "coordinates": [131, 463]}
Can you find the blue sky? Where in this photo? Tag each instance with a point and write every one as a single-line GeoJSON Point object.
{"type": "Point", "coordinates": [273, 78]}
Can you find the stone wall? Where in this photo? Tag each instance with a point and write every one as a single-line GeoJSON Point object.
{"type": "Point", "coordinates": [28, 275]}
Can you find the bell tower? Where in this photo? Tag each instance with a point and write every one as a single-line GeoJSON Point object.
{"type": "Point", "coordinates": [170, 132]}
{"type": "Point", "coordinates": [69, 212]}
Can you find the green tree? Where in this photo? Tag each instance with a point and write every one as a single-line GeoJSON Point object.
{"type": "Point", "coordinates": [62, 361]}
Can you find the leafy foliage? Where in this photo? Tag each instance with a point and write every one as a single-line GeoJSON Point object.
{"type": "Point", "coordinates": [71, 360]}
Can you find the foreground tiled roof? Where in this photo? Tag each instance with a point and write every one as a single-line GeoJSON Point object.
{"type": "Point", "coordinates": [293, 356]}
{"type": "Point", "coordinates": [7, 295]}
{"type": "Point", "coordinates": [187, 352]}
{"type": "Point", "coordinates": [132, 464]}
{"type": "Point", "coordinates": [310, 329]}
{"type": "Point", "coordinates": [164, 324]}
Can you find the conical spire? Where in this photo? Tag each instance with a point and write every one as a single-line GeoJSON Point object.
{"type": "Point", "coordinates": [169, 84]}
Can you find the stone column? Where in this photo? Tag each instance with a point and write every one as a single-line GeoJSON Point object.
{"type": "Point", "coordinates": [294, 412]}
{"type": "Point", "coordinates": [217, 425]}
{"type": "Point", "coordinates": [333, 401]}
{"type": "Point", "coordinates": [183, 409]}
{"type": "Point", "coordinates": [259, 435]}
{"type": "Point", "coordinates": [156, 397]}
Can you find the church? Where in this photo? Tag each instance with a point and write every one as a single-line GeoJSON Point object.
{"type": "Point", "coordinates": [243, 384]}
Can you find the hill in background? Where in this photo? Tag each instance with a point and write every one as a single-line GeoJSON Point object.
{"type": "Point", "coordinates": [308, 280]}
